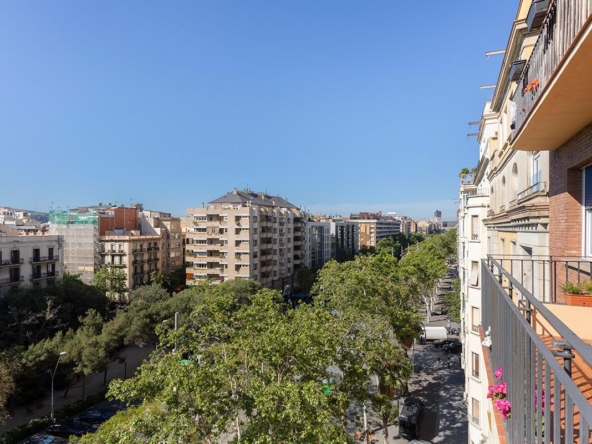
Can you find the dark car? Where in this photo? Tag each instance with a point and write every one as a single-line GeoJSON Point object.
{"type": "Point", "coordinates": [439, 312]}
{"type": "Point", "coordinates": [410, 418]}
{"type": "Point", "coordinates": [67, 428]}
{"type": "Point", "coordinates": [45, 439]}
{"type": "Point", "coordinates": [454, 347]}
{"type": "Point", "coordinates": [442, 342]}
{"type": "Point", "coordinates": [94, 416]}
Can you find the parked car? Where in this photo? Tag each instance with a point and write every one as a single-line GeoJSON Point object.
{"type": "Point", "coordinates": [410, 418]}
{"type": "Point", "coordinates": [442, 342]}
{"type": "Point", "coordinates": [96, 415]}
{"type": "Point", "coordinates": [439, 312]}
{"type": "Point", "coordinates": [454, 347]}
{"type": "Point", "coordinates": [45, 439]}
{"type": "Point", "coordinates": [67, 428]}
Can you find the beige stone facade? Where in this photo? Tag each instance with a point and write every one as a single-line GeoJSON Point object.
{"type": "Point", "coordinates": [28, 260]}
{"type": "Point", "coordinates": [245, 235]}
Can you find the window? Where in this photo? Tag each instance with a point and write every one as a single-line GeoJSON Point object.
{"type": "Point", "coordinates": [475, 365]}
{"type": "Point", "coordinates": [200, 241]}
{"type": "Point", "coordinates": [475, 407]}
{"type": "Point", "coordinates": [475, 227]}
{"type": "Point", "coordinates": [200, 230]}
{"type": "Point", "coordinates": [475, 319]}
{"type": "Point", "coordinates": [474, 273]}
{"type": "Point", "coordinates": [535, 178]}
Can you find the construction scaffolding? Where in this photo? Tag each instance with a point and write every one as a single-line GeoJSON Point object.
{"type": "Point", "coordinates": [80, 231]}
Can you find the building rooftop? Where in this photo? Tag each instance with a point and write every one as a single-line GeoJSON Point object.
{"type": "Point", "coordinates": [248, 197]}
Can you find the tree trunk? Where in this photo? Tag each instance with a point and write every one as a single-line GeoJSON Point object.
{"type": "Point", "coordinates": [385, 426]}
{"type": "Point", "coordinates": [69, 385]}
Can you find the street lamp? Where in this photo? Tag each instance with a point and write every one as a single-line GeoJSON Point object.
{"type": "Point", "coordinates": [52, 375]}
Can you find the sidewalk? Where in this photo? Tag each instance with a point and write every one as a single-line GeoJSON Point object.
{"type": "Point", "coordinates": [134, 356]}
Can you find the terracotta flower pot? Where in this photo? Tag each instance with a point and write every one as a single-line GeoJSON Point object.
{"type": "Point", "coordinates": [578, 300]}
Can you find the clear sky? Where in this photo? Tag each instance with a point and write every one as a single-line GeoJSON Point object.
{"type": "Point", "coordinates": [340, 106]}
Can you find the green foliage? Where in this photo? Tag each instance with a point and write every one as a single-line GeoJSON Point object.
{"type": "Point", "coordinates": [32, 314]}
{"type": "Point", "coordinates": [112, 282]}
{"type": "Point", "coordinates": [463, 172]}
{"type": "Point", "coordinates": [453, 301]}
{"type": "Point", "coordinates": [583, 287]}
{"type": "Point", "coordinates": [7, 388]}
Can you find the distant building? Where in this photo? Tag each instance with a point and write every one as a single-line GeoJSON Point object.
{"type": "Point", "coordinates": [243, 235]}
{"type": "Point", "coordinates": [318, 243]}
{"type": "Point", "coordinates": [137, 241]}
{"type": "Point", "coordinates": [373, 227]}
{"type": "Point", "coordinates": [345, 237]}
{"type": "Point", "coordinates": [22, 222]}
{"type": "Point", "coordinates": [28, 260]}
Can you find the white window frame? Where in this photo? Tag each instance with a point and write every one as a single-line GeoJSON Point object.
{"type": "Point", "coordinates": [474, 274]}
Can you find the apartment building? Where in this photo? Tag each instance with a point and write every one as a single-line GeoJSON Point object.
{"type": "Point", "coordinates": [28, 260]}
{"type": "Point", "coordinates": [136, 240]}
{"type": "Point", "coordinates": [372, 227]}
{"type": "Point", "coordinates": [538, 235]}
{"type": "Point", "coordinates": [245, 234]}
{"type": "Point", "coordinates": [318, 241]}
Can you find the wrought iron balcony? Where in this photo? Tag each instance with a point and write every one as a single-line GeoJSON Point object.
{"type": "Point", "coordinates": [11, 263]}
{"type": "Point", "coordinates": [38, 259]}
{"type": "Point", "coordinates": [12, 280]}
{"type": "Point", "coordinates": [546, 366]}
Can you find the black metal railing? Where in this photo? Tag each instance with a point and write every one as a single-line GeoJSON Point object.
{"type": "Point", "coordinates": [543, 395]}
{"type": "Point", "coordinates": [560, 28]}
{"type": "Point", "coordinates": [12, 280]}
{"type": "Point", "coordinates": [545, 276]}
{"type": "Point", "coordinates": [12, 262]}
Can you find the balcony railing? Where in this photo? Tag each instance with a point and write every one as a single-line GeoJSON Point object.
{"type": "Point", "coordinates": [544, 378]}
{"type": "Point", "coordinates": [39, 276]}
{"type": "Point", "coordinates": [12, 280]}
{"type": "Point", "coordinates": [560, 27]}
{"type": "Point", "coordinates": [9, 262]}
{"type": "Point", "coordinates": [38, 259]}
{"type": "Point", "coordinates": [539, 187]}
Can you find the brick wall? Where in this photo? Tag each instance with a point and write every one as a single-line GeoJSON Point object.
{"type": "Point", "coordinates": [565, 196]}
{"type": "Point", "coordinates": [565, 193]}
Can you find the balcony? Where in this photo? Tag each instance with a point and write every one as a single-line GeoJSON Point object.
{"type": "Point", "coordinates": [554, 92]}
{"type": "Point", "coordinates": [11, 263]}
{"type": "Point", "coordinates": [536, 14]}
{"type": "Point", "coordinates": [39, 259]}
{"type": "Point", "coordinates": [545, 362]}
{"type": "Point", "coordinates": [36, 277]}
{"type": "Point", "coordinates": [12, 280]}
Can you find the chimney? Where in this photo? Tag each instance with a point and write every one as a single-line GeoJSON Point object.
{"type": "Point", "coordinates": [234, 191]}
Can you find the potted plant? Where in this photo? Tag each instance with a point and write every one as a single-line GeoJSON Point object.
{"type": "Point", "coordinates": [578, 294]}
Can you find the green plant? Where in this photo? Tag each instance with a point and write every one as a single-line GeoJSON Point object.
{"type": "Point", "coordinates": [584, 287]}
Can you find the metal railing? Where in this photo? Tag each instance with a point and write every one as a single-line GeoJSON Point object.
{"type": "Point", "coordinates": [541, 390]}
{"type": "Point", "coordinates": [545, 276]}
{"type": "Point", "coordinates": [539, 187]}
{"type": "Point", "coordinates": [12, 280]}
{"type": "Point", "coordinates": [561, 26]}
{"type": "Point", "coordinates": [12, 262]}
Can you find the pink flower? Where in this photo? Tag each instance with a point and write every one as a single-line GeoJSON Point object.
{"type": "Point", "coordinates": [499, 373]}
{"type": "Point", "coordinates": [490, 392]}
{"type": "Point", "coordinates": [501, 388]}
{"type": "Point", "coordinates": [504, 407]}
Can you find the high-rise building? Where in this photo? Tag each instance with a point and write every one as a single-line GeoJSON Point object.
{"type": "Point", "coordinates": [244, 234]}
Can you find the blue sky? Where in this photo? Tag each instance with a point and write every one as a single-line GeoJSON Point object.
{"type": "Point", "coordinates": [340, 106]}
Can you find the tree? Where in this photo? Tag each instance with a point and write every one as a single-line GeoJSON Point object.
{"type": "Point", "coordinates": [453, 301]}
{"type": "Point", "coordinates": [86, 351]}
{"type": "Point", "coordinates": [112, 282]}
{"type": "Point", "coordinates": [7, 389]}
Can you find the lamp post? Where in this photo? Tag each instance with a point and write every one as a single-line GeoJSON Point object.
{"type": "Point", "coordinates": [52, 376]}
